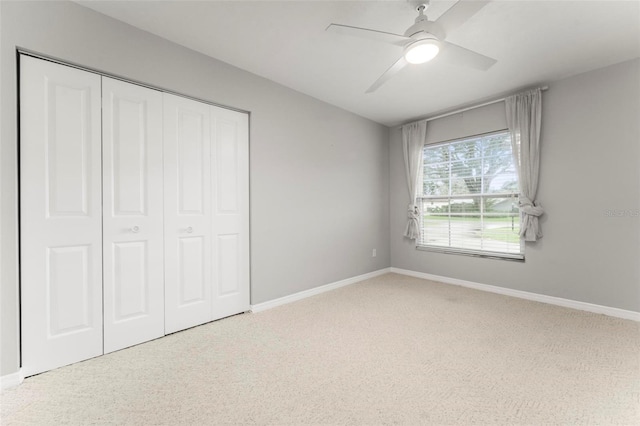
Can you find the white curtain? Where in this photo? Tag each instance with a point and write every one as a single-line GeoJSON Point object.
{"type": "Point", "coordinates": [413, 138]}
{"type": "Point", "coordinates": [524, 112]}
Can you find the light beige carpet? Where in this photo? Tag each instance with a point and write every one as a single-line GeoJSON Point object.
{"type": "Point", "coordinates": [389, 350]}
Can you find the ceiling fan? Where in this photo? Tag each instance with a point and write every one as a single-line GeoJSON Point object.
{"type": "Point", "coordinates": [425, 39]}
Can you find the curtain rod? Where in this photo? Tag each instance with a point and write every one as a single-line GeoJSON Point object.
{"type": "Point", "coordinates": [458, 111]}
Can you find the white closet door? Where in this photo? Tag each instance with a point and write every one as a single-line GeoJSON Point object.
{"type": "Point", "coordinates": [230, 224]}
{"type": "Point", "coordinates": [187, 153]}
{"type": "Point", "coordinates": [60, 215]}
{"type": "Point", "coordinates": [132, 214]}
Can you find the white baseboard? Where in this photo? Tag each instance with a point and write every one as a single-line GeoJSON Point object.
{"type": "Point", "coordinates": [11, 380]}
{"type": "Point", "coordinates": [567, 303]}
{"type": "Point", "coordinates": [317, 290]}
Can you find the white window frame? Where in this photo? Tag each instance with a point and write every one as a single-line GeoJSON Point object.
{"type": "Point", "coordinates": [420, 245]}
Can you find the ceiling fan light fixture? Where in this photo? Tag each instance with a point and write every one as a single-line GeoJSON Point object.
{"type": "Point", "coordinates": [422, 51]}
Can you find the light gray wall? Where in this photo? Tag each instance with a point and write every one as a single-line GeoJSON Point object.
{"type": "Point", "coordinates": [590, 163]}
{"type": "Point", "coordinates": [319, 174]}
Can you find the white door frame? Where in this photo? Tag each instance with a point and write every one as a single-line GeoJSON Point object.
{"type": "Point", "coordinates": [27, 53]}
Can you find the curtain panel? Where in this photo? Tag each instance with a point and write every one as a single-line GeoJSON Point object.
{"type": "Point", "coordinates": [413, 139]}
{"type": "Point", "coordinates": [524, 113]}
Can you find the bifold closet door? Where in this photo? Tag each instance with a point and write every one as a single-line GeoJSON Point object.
{"type": "Point", "coordinates": [132, 214]}
{"type": "Point", "coordinates": [187, 153]}
{"type": "Point", "coordinates": [230, 205]}
{"type": "Point", "coordinates": [60, 215]}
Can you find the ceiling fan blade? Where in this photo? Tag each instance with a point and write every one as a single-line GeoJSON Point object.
{"type": "Point", "coordinates": [457, 55]}
{"type": "Point", "coordinates": [459, 13]}
{"type": "Point", "coordinates": [393, 70]}
{"type": "Point", "coordinates": [383, 36]}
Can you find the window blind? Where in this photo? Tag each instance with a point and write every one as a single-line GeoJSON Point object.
{"type": "Point", "coordinates": [470, 197]}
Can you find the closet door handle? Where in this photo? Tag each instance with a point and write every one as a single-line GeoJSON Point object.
{"type": "Point", "coordinates": [135, 229]}
{"type": "Point", "coordinates": [189, 230]}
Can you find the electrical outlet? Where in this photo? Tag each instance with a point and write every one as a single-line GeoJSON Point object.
{"type": "Point", "coordinates": [373, 253]}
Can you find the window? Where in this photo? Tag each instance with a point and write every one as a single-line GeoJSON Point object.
{"type": "Point", "coordinates": [470, 197]}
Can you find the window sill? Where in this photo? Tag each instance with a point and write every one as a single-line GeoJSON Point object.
{"type": "Point", "coordinates": [474, 253]}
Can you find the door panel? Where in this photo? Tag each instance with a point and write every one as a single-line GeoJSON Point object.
{"type": "Point", "coordinates": [131, 288]}
{"type": "Point", "coordinates": [227, 165]}
{"type": "Point", "coordinates": [228, 250]}
{"type": "Point", "coordinates": [230, 221]}
{"type": "Point", "coordinates": [191, 161]}
{"type": "Point", "coordinates": [60, 215]}
{"type": "Point", "coordinates": [69, 289]}
{"type": "Point", "coordinates": [187, 165]}
{"type": "Point", "coordinates": [67, 150]}
{"type": "Point", "coordinates": [191, 264]}
{"type": "Point", "coordinates": [129, 156]}
{"type": "Point", "coordinates": [133, 214]}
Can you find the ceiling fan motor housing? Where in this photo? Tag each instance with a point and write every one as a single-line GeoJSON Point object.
{"type": "Point", "coordinates": [423, 28]}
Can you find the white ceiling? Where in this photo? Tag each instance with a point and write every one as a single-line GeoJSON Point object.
{"type": "Point", "coordinates": [535, 42]}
